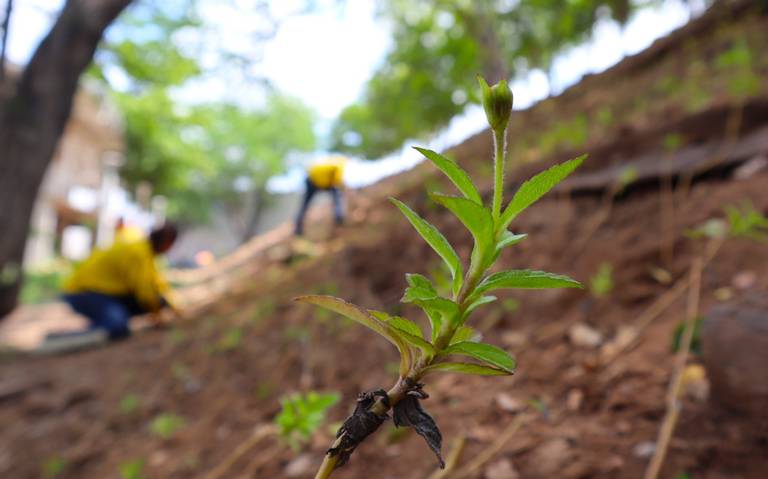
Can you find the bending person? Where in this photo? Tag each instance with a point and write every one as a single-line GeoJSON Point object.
{"type": "Point", "coordinates": [327, 175]}
{"type": "Point", "coordinates": [122, 281]}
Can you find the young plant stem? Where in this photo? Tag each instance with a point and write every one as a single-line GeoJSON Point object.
{"type": "Point", "coordinates": [500, 147]}
{"type": "Point", "coordinates": [675, 386]}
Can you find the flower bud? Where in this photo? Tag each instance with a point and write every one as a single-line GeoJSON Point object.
{"type": "Point", "coordinates": [497, 102]}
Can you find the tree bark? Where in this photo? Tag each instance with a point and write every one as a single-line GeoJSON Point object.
{"type": "Point", "coordinates": [4, 38]}
{"type": "Point", "coordinates": [32, 120]}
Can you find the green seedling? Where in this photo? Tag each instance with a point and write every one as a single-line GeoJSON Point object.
{"type": "Point", "coordinates": [695, 339]}
{"type": "Point", "coordinates": [53, 467]}
{"type": "Point", "coordinates": [133, 469]}
{"type": "Point", "coordinates": [166, 425]}
{"type": "Point", "coordinates": [129, 403]}
{"type": "Point", "coordinates": [746, 221]}
{"type": "Point", "coordinates": [601, 284]}
{"type": "Point", "coordinates": [230, 341]}
{"type": "Point", "coordinates": [451, 337]}
{"type": "Point", "coordinates": [301, 415]}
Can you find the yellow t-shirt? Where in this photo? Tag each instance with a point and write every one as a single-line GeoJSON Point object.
{"type": "Point", "coordinates": [125, 268]}
{"type": "Point", "coordinates": [328, 174]}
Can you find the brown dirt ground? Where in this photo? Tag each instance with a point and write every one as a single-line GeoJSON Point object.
{"type": "Point", "coordinates": [224, 389]}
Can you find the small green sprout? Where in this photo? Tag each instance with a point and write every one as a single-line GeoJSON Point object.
{"type": "Point", "coordinates": [230, 341]}
{"type": "Point", "coordinates": [746, 221]}
{"type": "Point", "coordinates": [301, 415]}
{"type": "Point", "coordinates": [53, 467]}
{"type": "Point", "coordinates": [601, 284]}
{"type": "Point", "coordinates": [471, 286]}
{"type": "Point", "coordinates": [133, 469]}
{"type": "Point", "coordinates": [166, 425]}
{"type": "Point", "coordinates": [129, 403]}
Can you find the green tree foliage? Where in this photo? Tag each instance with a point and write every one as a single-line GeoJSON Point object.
{"type": "Point", "coordinates": [201, 154]}
{"type": "Point", "coordinates": [423, 81]}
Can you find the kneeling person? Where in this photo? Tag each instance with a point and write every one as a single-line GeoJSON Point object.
{"type": "Point", "coordinates": [120, 282]}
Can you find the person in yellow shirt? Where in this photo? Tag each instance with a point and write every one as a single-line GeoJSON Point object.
{"type": "Point", "coordinates": [122, 281]}
{"type": "Point", "coordinates": [327, 175]}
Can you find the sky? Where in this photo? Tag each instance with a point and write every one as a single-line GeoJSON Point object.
{"type": "Point", "coordinates": [341, 45]}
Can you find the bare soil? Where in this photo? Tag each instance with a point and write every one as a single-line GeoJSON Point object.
{"type": "Point", "coordinates": [225, 369]}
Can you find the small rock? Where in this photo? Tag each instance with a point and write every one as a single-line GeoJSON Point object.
{"type": "Point", "coordinates": [549, 458]}
{"type": "Point", "coordinates": [624, 337]}
{"type": "Point", "coordinates": [502, 469]}
{"type": "Point", "coordinates": [574, 400]}
{"type": "Point", "coordinates": [507, 403]}
{"type": "Point", "coordinates": [644, 450]}
{"type": "Point", "coordinates": [585, 336]}
{"type": "Point", "coordinates": [723, 294]}
{"type": "Point", "coordinates": [751, 167]}
{"type": "Point", "coordinates": [158, 458]}
{"type": "Point", "coordinates": [734, 346]}
{"type": "Point", "coordinates": [744, 280]}
{"type": "Point", "coordinates": [623, 427]}
{"type": "Point", "coordinates": [695, 383]}
{"type": "Point", "coordinates": [513, 339]}
{"type": "Point", "coordinates": [299, 466]}
{"type": "Point", "coordinates": [613, 463]}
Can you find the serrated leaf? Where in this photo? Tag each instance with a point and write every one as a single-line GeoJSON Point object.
{"type": "Point", "coordinates": [420, 289]}
{"type": "Point", "coordinates": [444, 306]}
{"type": "Point", "coordinates": [477, 303]}
{"type": "Point", "coordinates": [487, 353]}
{"type": "Point", "coordinates": [478, 221]}
{"type": "Point", "coordinates": [535, 188]}
{"type": "Point", "coordinates": [361, 316]}
{"type": "Point", "coordinates": [458, 176]}
{"type": "Point", "coordinates": [418, 280]}
{"type": "Point", "coordinates": [525, 279]}
{"type": "Point", "coordinates": [436, 322]}
{"type": "Point", "coordinates": [508, 239]}
{"type": "Point", "coordinates": [465, 333]}
{"type": "Point", "coordinates": [408, 331]}
{"type": "Point", "coordinates": [436, 240]}
{"type": "Point", "coordinates": [464, 368]}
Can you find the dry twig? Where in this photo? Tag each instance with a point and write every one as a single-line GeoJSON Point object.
{"type": "Point", "coordinates": [675, 386]}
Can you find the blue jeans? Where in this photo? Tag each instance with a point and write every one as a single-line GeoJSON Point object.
{"type": "Point", "coordinates": [110, 313]}
{"type": "Point", "coordinates": [311, 189]}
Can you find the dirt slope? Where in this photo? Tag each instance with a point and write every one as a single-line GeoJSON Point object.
{"type": "Point", "coordinates": [224, 370]}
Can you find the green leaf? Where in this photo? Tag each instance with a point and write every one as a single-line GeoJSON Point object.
{"type": "Point", "coordinates": [465, 368]}
{"type": "Point", "coordinates": [359, 315]}
{"type": "Point", "coordinates": [508, 239]}
{"type": "Point", "coordinates": [477, 303]}
{"type": "Point", "coordinates": [525, 279]}
{"type": "Point", "coordinates": [458, 176]}
{"type": "Point", "coordinates": [465, 333]}
{"type": "Point", "coordinates": [437, 241]}
{"type": "Point", "coordinates": [407, 330]}
{"type": "Point", "coordinates": [487, 353]}
{"type": "Point", "coordinates": [420, 288]}
{"type": "Point", "coordinates": [535, 188]}
{"type": "Point", "coordinates": [478, 221]}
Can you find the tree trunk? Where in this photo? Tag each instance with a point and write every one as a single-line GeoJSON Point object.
{"type": "Point", "coordinates": [32, 120]}
{"type": "Point", "coordinates": [4, 38]}
{"type": "Point", "coordinates": [257, 208]}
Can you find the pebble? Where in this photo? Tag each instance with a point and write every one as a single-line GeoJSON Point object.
{"type": "Point", "coordinates": [575, 399]}
{"type": "Point", "coordinates": [585, 336]}
{"type": "Point", "coordinates": [502, 469]}
{"type": "Point", "coordinates": [644, 450]}
{"type": "Point", "coordinates": [507, 403]}
{"type": "Point", "coordinates": [744, 280]}
{"type": "Point", "coordinates": [299, 466]}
